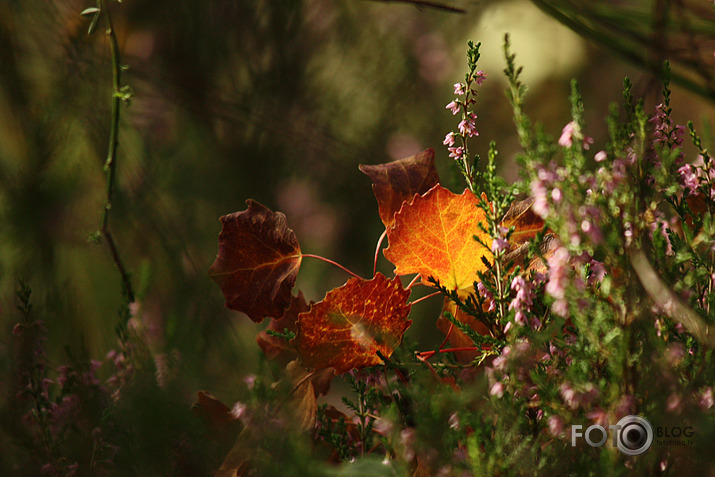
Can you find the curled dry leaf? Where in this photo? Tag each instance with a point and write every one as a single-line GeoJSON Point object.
{"type": "Point", "coordinates": [303, 405]}
{"type": "Point", "coordinates": [352, 323]}
{"type": "Point", "coordinates": [524, 220]}
{"type": "Point", "coordinates": [257, 262]}
{"type": "Point", "coordinates": [398, 181]}
{"type": "Point", "coordinates": [215, 414]}
{"type": "Point", "coordinates": [434, 234]}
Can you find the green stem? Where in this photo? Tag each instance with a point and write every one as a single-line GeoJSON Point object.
{"type": "Point", "coordinates": [110, 165]}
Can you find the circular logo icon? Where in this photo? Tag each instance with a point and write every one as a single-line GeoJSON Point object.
{"type": "Point", "coordinates": [635, 435]}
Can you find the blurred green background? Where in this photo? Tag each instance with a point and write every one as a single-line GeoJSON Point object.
{"type": "Point", "coordinates": [275, 101]}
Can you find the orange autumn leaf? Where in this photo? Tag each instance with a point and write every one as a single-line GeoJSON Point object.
{"type": "Point", "coordinates": [352, 323]}
{"type": "Point", "coordinates": [433, 236]}
{"type": "Point", "coordinates": [398, 181]}
{"type": "Point", "coordinates": [257, 262]}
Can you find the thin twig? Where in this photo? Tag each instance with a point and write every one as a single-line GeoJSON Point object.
{"type": "Point", "coordinates": [668, 301]}
{"type": "Point", "coordinates": [110, 165]}
{"type": "Point", "coordinates": [428, 4]}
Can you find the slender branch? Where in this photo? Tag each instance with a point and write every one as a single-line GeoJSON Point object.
{"type": "Point", "coordinates": [668, 301]}
{"type": "Point", "coordinates": [327, 260]}
{"type": "Point", "coordinates": [110, 164]}
{"type": "Point", "coordinates": [428, 4]}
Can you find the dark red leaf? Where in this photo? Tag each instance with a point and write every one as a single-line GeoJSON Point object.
{"type": "Point", "coordinates": [398, 181]}
{"type": "Point", "coordinates": [257, 262]}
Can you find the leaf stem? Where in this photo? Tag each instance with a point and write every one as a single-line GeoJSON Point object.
{"type": "Point", "coordinates": [327, 260]}
{"type": "Point", "coordinates": [377, 251]}
{"type": "Point", "coordinates": [414, 280]}
{"type": "Point", "coordinates": [425, 297]}
{"type": "Point", "coordinates": [110, 164]}
{"type": "Point", "coordinates": [429, 354]}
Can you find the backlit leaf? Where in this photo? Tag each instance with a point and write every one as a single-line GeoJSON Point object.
{"type": "Point", "coordinates": [352, 323]}
{"type": "Point", "coordinates": [433, 236]}
{"type": "Point", "coordinates": [398, 181]}
{"type": "Point", "coordinates": [257, 262]}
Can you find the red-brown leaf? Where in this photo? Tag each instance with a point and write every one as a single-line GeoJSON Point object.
{"type": "Point", "coordinates": [398, 181]}
{"type": "Point", "coordinates": [524, 220]}
{"type": "Point", "coordinates": [352, 323]}
{"type": "Point", "coordinates": [257, 262]}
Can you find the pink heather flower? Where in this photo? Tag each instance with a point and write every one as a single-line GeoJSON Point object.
{"type": "Point", "coordinates": [523, 300]}
{"type": "Point", "coordinates": [675, 353]}
{"type": "Point", "coordinates": [467, 126]}
{"type": "Point", "coordinates": [664, 131]}
{"type": "Point", "coordinates": [706, 400]}
{"type": "Point", "coordinates": [674, 403]}
{"type": "Point", "coordinates": [568, 394]}
{"type": "Point", "coordinates": [486, 295]}
{"type": "Point", "coordinates": [556, 425]}
{"type": "Point", "coordinates": [556, 195]}
{"type": "Point", "coordinates": [456, 152]}
{"type": "Point", "coordinates": [566, 139]}
{"type": "Point", "coordinates": [598, 271]}
{"type": "Point", "coordinates": [689, 177]}
{"type": "Point", "coordinates": [558, 273]}
{"type": "Point", "coordinates": [499, 363]}
{"type": "Point", "coordinates": [660, 123]}
{"type": "Point", "coordinates": [587, 141]}
{"type": "Point", "coordinates": [449, 139]}
{"type": "Point", "coordinates": [541, 205]}
{"type": "Point", "coordinates": [382, 426]}
{"type": "Point", "coordinates": [407, 439]}
{"type": "Point", "coordinates": [499, 245]}
{"type": "Point", "coordinates": [497, 389]}
{"type": "Point", "coordinates": [459, 88]}
{"type": "Point", "coordinates": [592, 231]}
{"type": "Point", "coordinates": [454, 107]}
{"type": "Point", "coordinates": [454, 421]}
{"type": "Point", "coordinates": [599, 416]}
{"type": "Point", "coordinates": [239, 411]}
{"type": "Point", "coordinates": [561, 307]}
{"type": "Point", "coordinates": [626, 406]}
{"type": "Point", "coordinates": [664, 232]}
{"type": "Point", "coordinates": [480, 76]}
{"type": "Point", "coordinates": [600, 156]}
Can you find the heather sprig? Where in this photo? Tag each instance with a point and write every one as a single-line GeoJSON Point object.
{"type": "Point", "coordinates": [458, 142]}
